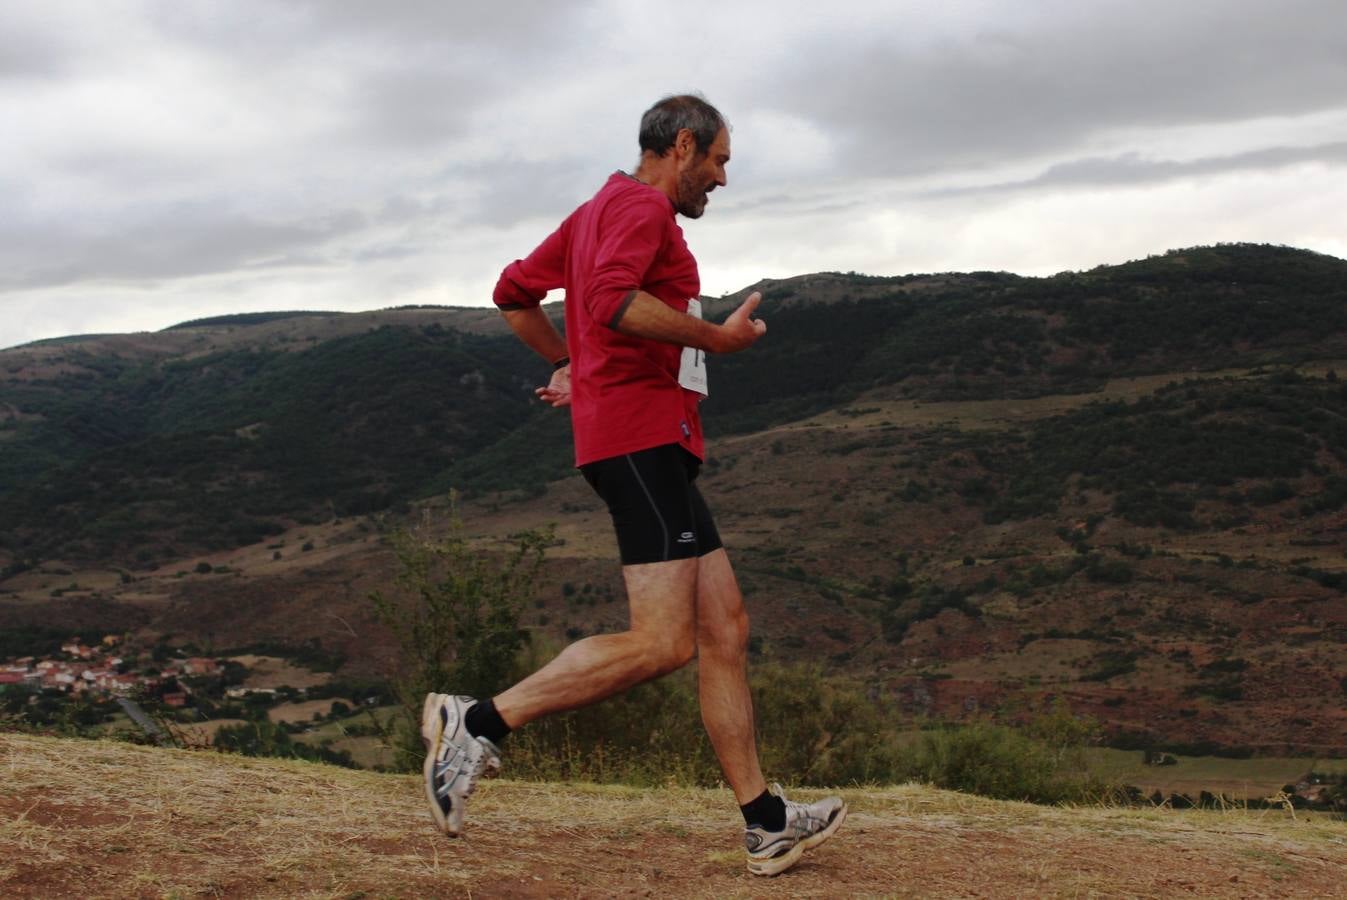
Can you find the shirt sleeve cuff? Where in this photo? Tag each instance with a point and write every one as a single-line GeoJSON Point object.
{"type": "Point", "coordinates": [621, 310]}
{"type": "Point", "coordinates": [510, 294]}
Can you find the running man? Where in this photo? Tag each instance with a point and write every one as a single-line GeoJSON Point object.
{"type": "Point", "coordinates": [632, 369]}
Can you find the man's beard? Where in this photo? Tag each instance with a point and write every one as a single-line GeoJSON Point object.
{"type": "Point", "coordinates": [691, 195]}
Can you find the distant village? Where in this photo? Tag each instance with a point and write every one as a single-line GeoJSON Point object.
{"type": "Point", "coordinates": [104, 669]}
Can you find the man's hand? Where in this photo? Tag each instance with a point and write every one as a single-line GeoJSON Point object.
{"type": "Point", "coordinates": [740, 330]}
{"type": "Point", "coordinates": [649, 317]}
{"type": "Point", "coordinates": [558, 390]}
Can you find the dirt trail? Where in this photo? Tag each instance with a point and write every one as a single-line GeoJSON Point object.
{"type": "Point", "coordinates": [80, 818]}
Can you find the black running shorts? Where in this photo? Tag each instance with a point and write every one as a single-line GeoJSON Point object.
{"type": "Point", "coordinates": [657, 511]}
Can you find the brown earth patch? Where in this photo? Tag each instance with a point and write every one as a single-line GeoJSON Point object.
{"type": "Point", "coordinates": [273, 672]}
{"type": "Point", "coordinates": [84, 818]}
{"type": "Point", "coordinates": [202, 734]}
{"type": "Point", "coordinates": [303, 712]}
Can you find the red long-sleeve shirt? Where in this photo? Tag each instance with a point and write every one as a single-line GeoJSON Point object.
{"type": "Point", "coordinates": [625, 394]}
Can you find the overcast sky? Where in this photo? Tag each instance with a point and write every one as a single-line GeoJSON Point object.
{"type": "Point", "coordinates": [163, 161]}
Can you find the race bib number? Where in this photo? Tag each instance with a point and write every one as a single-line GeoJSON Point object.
{"type": "Point", "coordinates": [692, 367]}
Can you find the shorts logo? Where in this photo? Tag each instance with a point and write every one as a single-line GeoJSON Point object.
{"type": "Point", "coordinates": [687, 537]}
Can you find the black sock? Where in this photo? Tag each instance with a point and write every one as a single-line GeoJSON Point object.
{"type": "Point", "coordinates": [767, 811]}
{"type": "Point", "coordinates": [483, 721]}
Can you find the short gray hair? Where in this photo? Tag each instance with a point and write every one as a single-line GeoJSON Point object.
{"type": "Point", "coordinates": [662, 122]}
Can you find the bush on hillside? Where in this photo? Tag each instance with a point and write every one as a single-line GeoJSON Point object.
{"type": "Point", "coordinates": [812, 729]}
{"type": "Point", "coordinates": [1042, 762]}
{"type": "Point", "coordinates": [261, 737]}
{"type": "Point", "coordinates": [455, 613]}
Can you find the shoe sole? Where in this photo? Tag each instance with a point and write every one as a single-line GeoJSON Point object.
{"type": "Point", "coordinates": [432, 730]}
{"type": "Point", "coordinates": [778, 864]}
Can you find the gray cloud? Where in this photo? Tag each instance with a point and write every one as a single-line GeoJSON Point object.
{"type": "Point", "coordinates": [511, 190]}
{"type": "Point", "coordinates": [1000, 93]}
{"type": "Point", "coordinates": [406, 73]}
{"type": "Point", "coordinates": [245, 154]}
{"type": "Point", "coordinates": [198, 241]}
{"type": "Point", "coordinates": [1133, 169]}
{"type": "Point", "coordinates": [519, 22]}
{"type": "Point", "coordinates": [24, 59]}
{"type": "Point", "coordinates": [261, 30]}
{"type": "Point", "coordinates": [34, 45]}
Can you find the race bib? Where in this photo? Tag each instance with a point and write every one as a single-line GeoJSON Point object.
{"type": "Point", "coordinates": [692, 367]}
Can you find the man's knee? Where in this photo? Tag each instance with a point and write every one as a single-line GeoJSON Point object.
{"type": "Point", "coordinates": [680, 652]}
{"type": "Point", "coordinates": [667, 653]}
{"type": "Point", "coordinates": [727, 636]}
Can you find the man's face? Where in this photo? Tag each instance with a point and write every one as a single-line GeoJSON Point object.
{"type": "Point", "coordinates": [701, 174]}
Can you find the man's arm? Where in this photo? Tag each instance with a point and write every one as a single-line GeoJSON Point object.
{"type": "Point", "coordinates": [647, 316]}
{"type": "Point", "coordinates": [524, 284]}
{"type": "Point", "coordinates": [518, 295]}
{"type": "Point", "coordinates": [535, 329]}
{"type": "Point", "coordinates": [532, 326]}
{"type": "Point", "coordinates": [632, 235]}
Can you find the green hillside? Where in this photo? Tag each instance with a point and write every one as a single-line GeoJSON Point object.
{"type": "Point", "coordinates": [113, 454]}
{"type": "Point", "coordinates": [221, 449]}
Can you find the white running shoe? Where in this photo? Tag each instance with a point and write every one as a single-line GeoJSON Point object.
{"type": "Point", "coordinates": [454, 759]}
{"type": "Point", "coordinates": [807, 826]}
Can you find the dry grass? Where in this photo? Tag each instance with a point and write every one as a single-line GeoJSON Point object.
{"type": "Point", "coordinates": [200, 734]}
{"type": "Point", "coordinates": [1256, 778]}
{"type": "Point", "coordinates": [82, 818]}
{"type": "Point", "coordinates": [273, 672]}
{"type": "Point", "coordinates": [304, 711]}
{"type": "Point", "coordinates": [368, 751]}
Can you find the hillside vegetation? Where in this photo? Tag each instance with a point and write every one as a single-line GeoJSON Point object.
{"type": "Point", "coordinates": [969, 494]}
{"type": "Point", "coordinates": [80, 818]}
{"type": "Point", "coordinates": [110, 451]}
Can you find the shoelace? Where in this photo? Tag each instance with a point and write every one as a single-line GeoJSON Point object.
{"type": "Point", "coordinates": [803, 822]}
{"type": "Point", "coordinates": [458, 763]}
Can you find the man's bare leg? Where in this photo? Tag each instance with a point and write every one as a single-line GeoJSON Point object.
{"type": "Point", "coordinates": [722, 661]}
{"type": "Point", "coordinates": [662, 638]}
{"type": "Point", "coordinates": [673, 605]}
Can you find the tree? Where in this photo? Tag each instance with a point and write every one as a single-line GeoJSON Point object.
{"type": "Point", "coordinates": [454, 610]}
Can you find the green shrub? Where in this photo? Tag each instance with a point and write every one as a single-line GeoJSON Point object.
{"type": "Point", "coordinates": [1270, 493]}
{"type": "Point", "coordinates": [812, 729]}
{"type": "Point", "coordinates": [1041, 763]}
{"type": "Point", "coordinates": [1332, 497]}
{"type": "Point", "coordinates": [1112, 571]}
{"type": "Point", "coordinates": [265, 738]}
{"type": "Point", "coordinates": [1111, 664]}
{"type": "Point", "coordinates": [901, 612]}
{"type": "Point", "coordinates": [455, 613]}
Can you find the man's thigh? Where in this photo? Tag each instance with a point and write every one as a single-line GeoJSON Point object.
{"type": "Point", "coordinates": [657, 511]}
{"type": "Point", "coordinates": [720, 604]}
{"type": "Point", "coordinates": [663, 597]}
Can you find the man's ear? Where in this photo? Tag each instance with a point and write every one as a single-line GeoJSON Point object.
{"type": "Point", "coordinates": [686, 142]}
